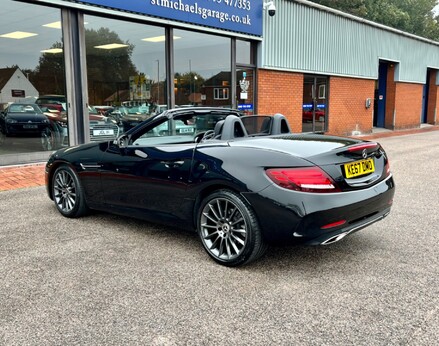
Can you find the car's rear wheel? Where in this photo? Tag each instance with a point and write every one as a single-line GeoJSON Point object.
{"type": "Point", "coordinates": [67, 193]}
{"type": "Point", "coordinates": [229, 230]}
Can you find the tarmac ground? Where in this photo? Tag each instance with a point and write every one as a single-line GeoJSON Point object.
{"type": "Point", "coordinates": [109, 280]}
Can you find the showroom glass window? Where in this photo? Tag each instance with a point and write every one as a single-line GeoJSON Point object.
{"type": "Point", "coordinates": [31, 67]}
{"type": "Point", "coordinates": [244, 52]}
{"type": "Point", "coordinates": [125, 74]}
{"type": "Point", "coordinates": [245, 76]}
{"type": "Point", "coordinates": [202, 68]}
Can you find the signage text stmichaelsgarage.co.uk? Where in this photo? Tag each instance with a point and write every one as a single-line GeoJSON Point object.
{"type": "Point", "coordinates": [244, 16]}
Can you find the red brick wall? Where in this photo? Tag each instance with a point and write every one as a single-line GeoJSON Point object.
{"type": "Point", "coordinates": [347, 110]}
{"type": "Point", "coordinates": [403, 103]}
{"type": "Point", "coordinates": [437, 105]}
{"type": "Point", "coordinates": [281, 92]}
{"type": "Point", "coordinates": [433, 97]}
{"type": "Point", "coordinates": [408, 105]}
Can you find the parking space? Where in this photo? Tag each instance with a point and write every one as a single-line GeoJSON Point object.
{"type": "Point", "coordinates": [108, 280]}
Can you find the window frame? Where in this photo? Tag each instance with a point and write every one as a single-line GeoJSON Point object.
{"type": "Point", "coordinates": [217, 93]}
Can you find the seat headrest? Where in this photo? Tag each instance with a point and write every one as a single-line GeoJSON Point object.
{"type": "Point", "coordinates": [218, 129]}
{"type": "Point", "coordinates": [233, 128]}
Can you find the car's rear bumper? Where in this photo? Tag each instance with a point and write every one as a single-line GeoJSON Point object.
{"type": "Point", "coordinates": [317, 218]}
{"type": "Point", "coordinates": [340, 233]}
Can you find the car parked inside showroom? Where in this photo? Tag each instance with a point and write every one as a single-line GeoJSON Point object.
{"type": "Point", "coordinates": [52, 102]}
{"type": "Point", "coordinates": [56, 134]}
{"type": "Point", "coordinates": [22, 119]}
{"type": "Point", "coordinates": [130, 116]}
{"type": "Point", "coordinates": [239, 189]}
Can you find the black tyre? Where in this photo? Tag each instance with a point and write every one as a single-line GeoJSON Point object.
{"type": "Point", "coordinates": [229, 230]}
{"type": "Point", "coordinates": [67, 193]}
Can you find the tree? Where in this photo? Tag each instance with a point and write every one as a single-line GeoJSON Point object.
{"type": "Point", "coordinates": [49, 76]}
{"type": "Point", "coordinates": [186, 84]}
{"type": "Point", "coordinates": [108, 70]}
{"type": "Point", "coordinates": [413, 16]}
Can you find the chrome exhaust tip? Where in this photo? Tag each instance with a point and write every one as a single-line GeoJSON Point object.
{"type": "Point", "coordinates": [334, 239]}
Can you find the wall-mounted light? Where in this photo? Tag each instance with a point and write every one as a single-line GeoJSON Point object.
{"type": "Point", "coordinates": [368, 103]}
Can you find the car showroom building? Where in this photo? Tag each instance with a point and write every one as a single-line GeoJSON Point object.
{"type": "Point", "coordinates": [100, 61]}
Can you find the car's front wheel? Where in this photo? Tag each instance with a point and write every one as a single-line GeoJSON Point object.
{"type": "Point", "coordinates": [229, 230]}
{"type": "Point", "coordinates": [67, 193]}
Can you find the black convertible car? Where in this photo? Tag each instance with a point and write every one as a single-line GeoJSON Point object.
{"type": "Point", "coordinates": [23, 120]}
{"type": "Point", "coordinates": [241, 182]}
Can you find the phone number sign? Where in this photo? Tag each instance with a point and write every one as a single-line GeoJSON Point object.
{"type": "Point", "coordinates": [244, 16]}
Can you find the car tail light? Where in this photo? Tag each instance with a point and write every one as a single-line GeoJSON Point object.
{"type": "Point", "coordinates": [362, 146]}
{"type": "Point", "coordinates": [305, 179]}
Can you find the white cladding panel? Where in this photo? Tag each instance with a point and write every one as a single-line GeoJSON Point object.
{"type": "Point", "coordinates": [310, 39]}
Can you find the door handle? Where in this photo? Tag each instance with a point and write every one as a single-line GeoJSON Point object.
{"type": "Point", "coordinates": [140, 153]}
{"type": "Point", "coordinates": [173, 164]}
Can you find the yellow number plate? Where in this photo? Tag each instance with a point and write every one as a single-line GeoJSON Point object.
{"type": "Point", "coordinates": [358, 168]}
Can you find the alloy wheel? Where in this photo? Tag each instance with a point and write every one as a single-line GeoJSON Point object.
{"type": "Point", "coordinates": [223, 229]}
{"type": "Point", "coordinates": [64, 188]}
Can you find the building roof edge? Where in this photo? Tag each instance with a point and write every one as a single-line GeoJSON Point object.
{"type": "Point", "coordinates": [364, 21]}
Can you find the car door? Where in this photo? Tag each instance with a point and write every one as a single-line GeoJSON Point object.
{"type": "Point", "coordinates": [149, 180]}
